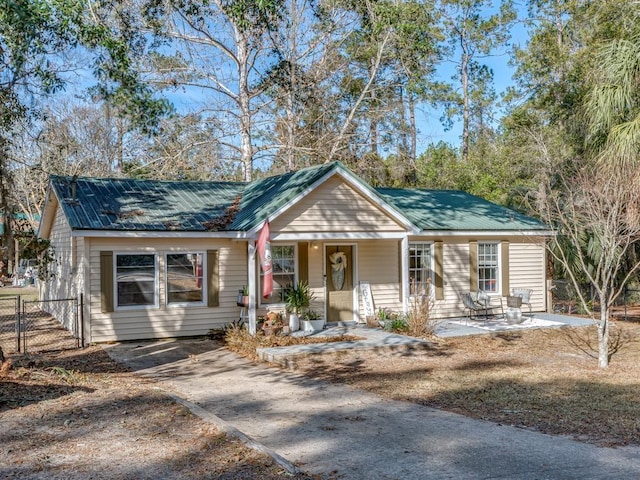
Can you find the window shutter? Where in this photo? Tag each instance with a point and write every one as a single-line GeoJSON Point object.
{"type": "Point", "coordinates": [106, 282]}
{"type": "Point", "coordinates": [303, 262]}
{"type": "Point", "coordinates": [473, 265]}
{"type": "Point", "coordinates": [439, 270]}
{"type": "Point", "coordinates": [213, 278]}
{"type": "Point", "coordinates": [504, 265]}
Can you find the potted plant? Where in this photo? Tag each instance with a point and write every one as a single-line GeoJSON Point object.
{"type": "Point", "coordinates": [312, 321]}
{"type": "Point", "coordinates": [297, 300]}
{"type": "Point", "coordinates": [243, 297]}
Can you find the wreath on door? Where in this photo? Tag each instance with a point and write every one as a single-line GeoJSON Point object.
{"type": "Point", "coordinates": [338, 264]}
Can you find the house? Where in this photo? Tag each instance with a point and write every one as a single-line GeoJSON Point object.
{"type": "Point", "coordinates": [159, 259]}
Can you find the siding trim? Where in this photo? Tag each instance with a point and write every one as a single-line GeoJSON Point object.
{"type": "Point", "coordinates": [106, 281]}
{"type": "Point", "coordinates": [213, 278]}
{"type": "Point", "coordinates": [473, 265]}
{"type": "Point", "coordinates": [504, 265]}
{"type": "Point", "coordinates": [438, 269]}
{"type": "Point", "coordinates": [303, 262]}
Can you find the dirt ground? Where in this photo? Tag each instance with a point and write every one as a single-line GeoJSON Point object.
{"type": "Point", "coordinates": [79, 415]}
{"type": "Point", "coordinates": [542, 380]}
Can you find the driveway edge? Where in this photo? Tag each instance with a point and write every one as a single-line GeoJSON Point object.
{"type": "Point", "coordinates": [229, 429]}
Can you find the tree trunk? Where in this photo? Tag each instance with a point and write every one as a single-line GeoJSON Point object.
{"type": "Point", "coordinates": [603, 333]}
{"type": "Point", "coordinates": [246, 148]}
{"type": "Point", "coordinates": [373, 111]}
{"type": "Point", "coordinates": [464, 77]}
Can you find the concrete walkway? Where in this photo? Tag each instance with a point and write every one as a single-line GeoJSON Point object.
{"type": "Point", "coordinates": [337, 431]}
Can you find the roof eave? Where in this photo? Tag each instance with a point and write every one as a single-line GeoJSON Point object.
{"type": "Point", "coordinates": [486, 233]}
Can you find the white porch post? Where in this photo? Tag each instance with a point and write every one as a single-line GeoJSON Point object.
{"type": "Point", "coordinates": [251, 269]}
{"type": "Point", "coordinates": [404, 268]}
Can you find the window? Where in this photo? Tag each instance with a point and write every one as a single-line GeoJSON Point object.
{"type": "Point", "coordinates": [184, 278]}
{"type": "Point", "coordinates": [136, 276]}
{"type": "Point", "coordinates": [420, 268]}
{"type": "Point", "coordinates": [488, 267]}
{"type": "Point", "coordinates": [283, 259]}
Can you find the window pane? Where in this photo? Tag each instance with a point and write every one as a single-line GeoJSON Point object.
{"type": "Point", "coordinates": [488, 266]}
{"type": "Point", "coordinates": [419, 268]}
{"type": "Point", "coordinates": [136, 279]}
{"type": "Point", "coordinates": [284, 274]}
{"type": "Point", "coordinates": [184, 277]}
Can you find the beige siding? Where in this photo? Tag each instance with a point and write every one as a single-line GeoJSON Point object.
{"type": "Point", "coordinates": [334, 207]}
{"type": "Point", "coordinates": [526, 266]}
{"type": "Point", "coordinates": [527, 270]}
{"type": "Point", "coordinates": [164, 320]}
{"type": "Point", "coordinates": [379, 264]}
{"type": "Point", "coordinates": [67, 282]}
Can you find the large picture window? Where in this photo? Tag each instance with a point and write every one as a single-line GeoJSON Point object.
{"type": "Point", "coordinates": [136, 276]}
{"type": "Point", "coordinates": [420, 268]}
{"type": "Point", "coordinates": [284, 271]}
{"type": "Point", "coordinates": [488, 267]}
{"type": "Point", "coordinates": [184, 278]}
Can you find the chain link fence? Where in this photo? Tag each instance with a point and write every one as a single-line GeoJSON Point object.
{"type": "Point", "coordinates": [31, 326]}
{"type": "Point", "coordinates": [48, 325]}
{"type": "Point", "coordinates": [9, 315]}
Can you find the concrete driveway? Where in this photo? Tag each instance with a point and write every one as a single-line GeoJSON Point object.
{"type": "Point", "coordinates": [340, 432]}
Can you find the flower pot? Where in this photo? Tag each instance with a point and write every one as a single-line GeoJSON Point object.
{"type": "Point", "coordinates": [242, 300]}
{"type": "Point", "coordinates": [272, 330]}
{"type": "Point", "coordinates": [294, 322]}
{"type": "Point", "coordinates": [312, 325]}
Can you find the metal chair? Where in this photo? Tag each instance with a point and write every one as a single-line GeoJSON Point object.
{"type": "Point", "coordinates": [473, 306]}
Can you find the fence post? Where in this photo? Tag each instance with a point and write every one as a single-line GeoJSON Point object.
{"type": "Point", "coordinates": [18, 323]}
{"type": "Point", "coordinates": [624, 296]}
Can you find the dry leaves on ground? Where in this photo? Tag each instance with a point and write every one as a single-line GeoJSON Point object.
{"type": "Point", "coordinates": [532, 379]}
{"type": "Point", "coordinates": [77, 415]}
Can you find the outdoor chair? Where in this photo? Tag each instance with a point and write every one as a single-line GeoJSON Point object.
{"type": "Point", "coordinates": [525, 295]}
{"type": "Point", "coordinates": [480, 301]}
{"type": "Point", "coordinates": [473, 306]}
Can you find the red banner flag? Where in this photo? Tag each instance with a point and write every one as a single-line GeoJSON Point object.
{"type": "Point", "coordinates": [264, 250]}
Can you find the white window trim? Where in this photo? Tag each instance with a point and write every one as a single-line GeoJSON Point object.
{"type": "Point", "coordinates": [156, 282]}
{"type": "Point", "coordinates": [201, 303]}
{"type": "Point", "coordinates": [262, 301]}
{"type": "Point", "coordinates": [432, 264]}
{"type": "Point", "coordinates": [498, 292]}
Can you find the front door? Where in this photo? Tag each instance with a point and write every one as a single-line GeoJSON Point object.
{"type": "Point", "coordinates": [339, 273]}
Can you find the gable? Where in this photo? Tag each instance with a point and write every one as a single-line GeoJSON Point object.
{"type": "Point", "coordinates": [335, 206]}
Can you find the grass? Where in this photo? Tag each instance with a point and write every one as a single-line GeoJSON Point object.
{"type": "Point", "coordinates": [29, 294]}
{"type": "Point", "coordinates": [532, 379]}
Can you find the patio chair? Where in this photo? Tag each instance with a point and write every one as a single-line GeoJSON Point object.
{"type": "Point", "coordinates": [525, 295]}
{"type": "Point", "coordinates": [483, 298]}
{"type": "Point", "coordinates": [473, 305]}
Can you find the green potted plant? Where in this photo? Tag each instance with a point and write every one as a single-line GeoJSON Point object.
{"type": "Point", "coordinates": [311, 321]}
{"type": "Point", "coordinates": [298, 299]}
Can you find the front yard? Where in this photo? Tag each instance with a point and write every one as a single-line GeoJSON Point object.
{"type": "Point", "coordinates": [533, 379]}
{"type": "Point", "coordinates": [77, 414]}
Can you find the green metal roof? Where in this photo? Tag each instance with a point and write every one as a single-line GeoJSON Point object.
{"type": "Point", "coordinates": [456, 210]}
{"type": "Point", "coordinates": [149, 205]}
{"type": "Point", "coordinates": [145, 205]}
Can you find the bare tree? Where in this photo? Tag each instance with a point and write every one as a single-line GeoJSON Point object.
{"type": "Point", "coordinates": [596, 216]}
